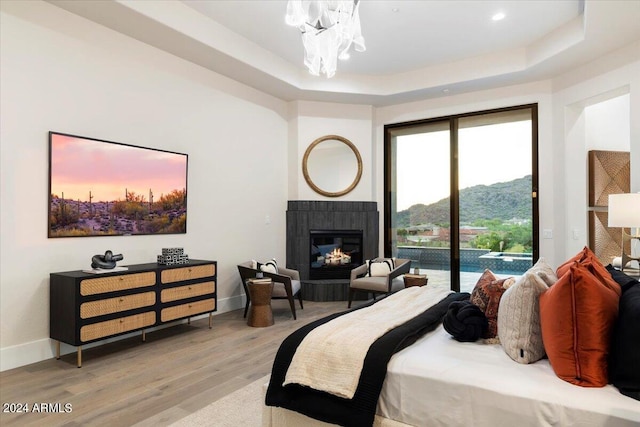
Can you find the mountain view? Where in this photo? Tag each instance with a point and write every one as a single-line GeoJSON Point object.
{"type": "Point", "coordinates": [503, 200]}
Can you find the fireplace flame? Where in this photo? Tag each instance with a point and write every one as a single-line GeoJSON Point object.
{"type": "Point", "coordinates": [337, 257]}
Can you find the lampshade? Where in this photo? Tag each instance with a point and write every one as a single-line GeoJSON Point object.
{"type": "Point", "coordinates": [624, 210]}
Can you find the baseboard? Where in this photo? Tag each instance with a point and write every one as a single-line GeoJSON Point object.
{"type": "Point", "coordinates": [39, 350]}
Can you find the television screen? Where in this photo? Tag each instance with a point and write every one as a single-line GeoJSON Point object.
{"type": "Point", "coordinates": [102, 188]}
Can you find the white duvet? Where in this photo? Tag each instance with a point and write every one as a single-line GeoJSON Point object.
{"type": "Point", "coordinates": [441, 382]}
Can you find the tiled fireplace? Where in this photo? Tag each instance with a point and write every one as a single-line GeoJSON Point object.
{"type": "Point", "coordinates": [313, 227]}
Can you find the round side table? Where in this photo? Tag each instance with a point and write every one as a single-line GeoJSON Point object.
{"type": "Point", "coordinates": [260, 314]}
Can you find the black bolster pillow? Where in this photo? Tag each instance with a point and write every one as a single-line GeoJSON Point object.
{"type": "Point", "coordinates": [465, 321]}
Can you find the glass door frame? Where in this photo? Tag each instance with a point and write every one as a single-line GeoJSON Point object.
{"type": "Point", "coordinates": [454, 211]}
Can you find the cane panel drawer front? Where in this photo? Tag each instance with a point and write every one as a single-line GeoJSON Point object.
{"type": "Point", "coordinates": [117, 283]}
{"type": "Point", "coordinates": [117, 304]}
{"type": "Point", "coordinates": [86, 307]}
{"type": "Point", "coordinates": [186, 310]}
{"type": "Point", "coordinates": [117, 326]}
{"type": "Point", "coordinates": [187, 291]}
{"type": "Point", "coordinates": [188, 273]}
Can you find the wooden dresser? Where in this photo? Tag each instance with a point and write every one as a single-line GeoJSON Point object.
{"type": "Point", "coordinates": [87, 307]}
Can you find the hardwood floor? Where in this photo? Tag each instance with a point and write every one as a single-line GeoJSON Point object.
{"type": "Point", "coordinates": [177, 371]}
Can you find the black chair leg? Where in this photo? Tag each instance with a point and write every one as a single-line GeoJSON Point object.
{"type": "Point", "coordinates": [300, 299]}
{"type": "Point", "coordinates": [293, 307]}
{"type": "Point", "coordinates": [351, 292]}
{"type": "Point", "coordinates": [246, 307]}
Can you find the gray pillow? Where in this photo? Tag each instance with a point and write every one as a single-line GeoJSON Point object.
{"type": "Point", "coordinates": [519, 319]}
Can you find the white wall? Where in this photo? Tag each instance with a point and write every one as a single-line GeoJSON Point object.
{"type": "Point", "coordinates": [60, 72]}
{"type": "Point", "coordinates": [607, 125]}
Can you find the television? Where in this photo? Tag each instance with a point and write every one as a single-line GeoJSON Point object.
{"type": "Point", "coordinates": [104, 188]}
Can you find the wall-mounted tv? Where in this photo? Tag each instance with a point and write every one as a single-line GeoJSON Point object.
{"type": "Point", "coordinates": [103, 188]}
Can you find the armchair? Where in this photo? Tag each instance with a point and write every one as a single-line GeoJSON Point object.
{"type": "Point", "coordinates": [286, 284]}
{"type": "Point", "coordinates": [378, 284]}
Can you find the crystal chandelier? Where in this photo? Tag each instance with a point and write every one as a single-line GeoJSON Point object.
{"type": "Point", "coordinates": [329, 28]}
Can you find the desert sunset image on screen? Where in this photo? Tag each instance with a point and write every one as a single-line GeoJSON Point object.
{"type": "Point", "coordinates": [102, 188]}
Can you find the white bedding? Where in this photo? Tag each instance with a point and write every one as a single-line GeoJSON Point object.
{"type": "Point", "coordinates": [441, 382]}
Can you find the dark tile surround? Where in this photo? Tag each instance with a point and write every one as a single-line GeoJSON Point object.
{"type": "Point", "coordinates": [306, 215]}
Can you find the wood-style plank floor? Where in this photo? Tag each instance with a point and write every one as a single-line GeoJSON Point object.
{"type": "Point", "coordinates": [177, 371]}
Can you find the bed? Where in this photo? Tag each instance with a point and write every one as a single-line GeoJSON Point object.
{"type": "Point", "coordinates": [438, 381]}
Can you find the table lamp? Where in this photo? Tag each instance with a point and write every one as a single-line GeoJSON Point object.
{"type": "Point", "coordinates": [624, 212]}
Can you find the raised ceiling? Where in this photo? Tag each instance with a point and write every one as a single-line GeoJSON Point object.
{"type": "Point", "coordinates": [415, 49]}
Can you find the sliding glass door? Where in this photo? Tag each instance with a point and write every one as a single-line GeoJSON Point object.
{"type": "Point", "coordinates": [461, 195]}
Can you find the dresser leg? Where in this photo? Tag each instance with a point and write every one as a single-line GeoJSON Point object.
{"type": "Point", "coordinates": [79, 356]}
{"type": "Point", "coordinates": [144, 336]}
{"type": "Point", "coordinates": [188, 320]}
{"type": "Point", "coordinates": [210, 318]}
{"type": "Point", "coordinates": [58, 350]}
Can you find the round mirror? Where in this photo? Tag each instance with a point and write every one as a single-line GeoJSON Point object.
{"type": "Point", "coordinates": [332, 166]}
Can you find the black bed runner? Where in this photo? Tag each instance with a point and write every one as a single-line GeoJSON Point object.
{"type": "Point", "coordinates": [359, 411]}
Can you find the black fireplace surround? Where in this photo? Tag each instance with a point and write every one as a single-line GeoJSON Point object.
{"type": "Point", "coordinates": [305, 216]}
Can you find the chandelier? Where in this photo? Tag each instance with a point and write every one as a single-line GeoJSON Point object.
{"type": "Point", "coordinates": [329, 28]}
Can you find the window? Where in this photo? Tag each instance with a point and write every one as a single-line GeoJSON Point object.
{"type": "Point", "coordinates": [461, 194]}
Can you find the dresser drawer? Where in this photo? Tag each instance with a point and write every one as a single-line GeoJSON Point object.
{"type": "Point", "coordinates": [101, 285]}
{"type": "Point", "coordinates": [116, 305]}
{"type": "Point", "coordinates": [188, 291]}
{"type": "Point", "coordinates": [117, 326]}
{"type": "Point", "coordinates": [187, 273]}
{"type": "Point", "coordinates": [185, 310]}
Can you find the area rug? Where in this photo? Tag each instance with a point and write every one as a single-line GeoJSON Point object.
{"type": "Point", "coordinates": [241, 408]}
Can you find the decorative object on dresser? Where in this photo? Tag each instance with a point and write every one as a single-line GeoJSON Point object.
{"type": "Point", "coordinates": [171, 256]}
{"type": "Point", "coordinates": [85, 308]}
{"type": "Point", "coordinates": [106, 261]}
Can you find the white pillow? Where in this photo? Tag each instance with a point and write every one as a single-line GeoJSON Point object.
{"type": "Point", "coordinates": [269, 266]}
{"type": "Point", "coordinates": [380, 267]}
{"type": "Point", "coordinates": [519, 318]}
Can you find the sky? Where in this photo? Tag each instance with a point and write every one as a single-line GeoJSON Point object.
{"type": "Point", "coordinates": [487, 155]}
{"type": "Point", "coordinates": [80, 166]}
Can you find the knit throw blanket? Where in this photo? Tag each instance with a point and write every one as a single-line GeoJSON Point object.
{"type": "Point", "coordinates": [331, 357]}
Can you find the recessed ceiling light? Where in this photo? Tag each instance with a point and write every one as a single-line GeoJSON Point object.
{"type": "Point", "coordinates": [498, 16]}
{"type": "Point", "coordinates": [395, 10]}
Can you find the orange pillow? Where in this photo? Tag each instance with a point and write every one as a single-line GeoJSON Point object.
{"type": "Point", "coordinates": [587, 258]}
{"type": "Point", "coordinates": [577, 315]}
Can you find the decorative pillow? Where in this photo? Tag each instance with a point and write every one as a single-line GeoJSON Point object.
{"type": "Point", "coordinates": [380, 267]}
{"type": "Point", "coordinates": [267, 267]}
{"type": "Point", "coordinates": [587, 258]}
{"type": "Point", "coordinates": [621, 278]}
{"type": "Point", "coordinates": [465, 321]}
{"type": "Point", "coordinates": [486, 295]}
{"type": "Point", "coordinates": [577, 316]}
{"type": "Point", "coordinates": [544, 271]}
{"type": "Point", "coordinates": [624, 358]}
{"type": "Point", "coordinates": [519, 317]}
